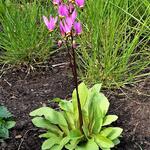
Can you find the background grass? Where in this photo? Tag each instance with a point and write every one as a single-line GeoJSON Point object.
{"type": "Point", "coordinates": [24, 38]}
{"type": "Point", "coordinates": [115, 44]}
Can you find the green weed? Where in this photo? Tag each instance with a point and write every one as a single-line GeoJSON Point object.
{"type": "Point", "coordinates": [24, 38]}
{"type": "Point", "coordinates": [115, 45]}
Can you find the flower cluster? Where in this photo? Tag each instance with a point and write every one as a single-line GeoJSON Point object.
{"type": "Point", "coordinates": [67, 14]}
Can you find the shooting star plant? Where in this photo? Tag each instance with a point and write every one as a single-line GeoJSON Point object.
{"type": "Point", "coordinates": [81, 124]}
{"type": "Point", "coordinates": [69, 29]}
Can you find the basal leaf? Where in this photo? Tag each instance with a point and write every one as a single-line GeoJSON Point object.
{"type": "Point", "coordinates": [76, 133]}
{"type": "Point", "coordinates": [55, 147]}
{"type": "Point", "coordinates": [66, 106]}
{"type": "Point", "coordinates": [49, 143]}
{"type": "Point", "coordinates": [97, 118]}
{"type": "Point", "coordinates": [43, 123]}
{"type": "Point", "coordinates": [10, 124]}
{"type": "Point", "coordinates": [73, 143]}
{"type": "Point", "coordinates": [63, 142]}
{"type": "Point", "coordinates": [111, 132]}
{"type": "Point", "coordinates": [115, 133]}
{"type": "Point", "coordinates": [83, 94]}
{"type": "Point", "coordinates": [106, 132]}
{"type": "Point", "coordinates": [104, 103]}
{"type": "Point", "coordinates": [116, 141]}
{"type": "Point", "coordinates": [75, 137]}
{"type": "Point", "coordinates": [47, 135]}
{"type": "Point", "coordinates": [90, 145]}
{"type": "Point", "coordinates": [4, 133]}
{"type": "Point", "coordinates": [4, 113]}
{"type": "Point", "coordinates": [103, 142]}
{"type": "Point", "coordinates": [109, 119]}
{"type": "Point", "coordinates": [51, 115]}
{"type": "Point", "coordinates": [96, 88]}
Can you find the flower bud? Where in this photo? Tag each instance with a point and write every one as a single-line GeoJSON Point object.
{"type": "Point", "coordinates": [74, 44]}
{"type": "Point", "coordinates": [59, 43]}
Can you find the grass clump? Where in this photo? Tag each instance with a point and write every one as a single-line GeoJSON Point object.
{"type": "Point", "coordinates": [23, 39]}
{"type": "Point", "coordinates": [114, 48]}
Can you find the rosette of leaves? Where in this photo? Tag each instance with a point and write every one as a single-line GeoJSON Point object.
{"type": "Point", "coordinates": [62, 127]}
{"type": "Point", "coordinates": [6, 123]}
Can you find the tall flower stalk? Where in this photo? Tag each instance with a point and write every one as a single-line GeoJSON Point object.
{"type": "Point", "coordinates": [69, 29]}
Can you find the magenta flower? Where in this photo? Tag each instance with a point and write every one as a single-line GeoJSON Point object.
{"type": "Point", "coordinates": [62, 29]}
{"type": "Point", "coordinates": [80, 3]}
{"type": "Point", "coordinates": [71, 7]}
{"type": "Point", "coordinates": [63, 10]}
{"type": "Point", "coordinates": [59, 43]}
{"type": "Point", "coordinates": [50, 23]}
{"type": "Point", "coordinates": [78, 28]}
{"type": "Point", "coordinates": [66, 26]}
{"type": "Point", "coordinates": [56, 2]}
{"type": "Point", "coordinates": [74, 15]}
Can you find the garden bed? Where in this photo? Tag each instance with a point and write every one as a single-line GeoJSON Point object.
{"type": "Point", "coordinates": [22, 93]}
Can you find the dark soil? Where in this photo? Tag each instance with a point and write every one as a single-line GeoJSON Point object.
{"type": "Point", "coordinates": [22, 93]}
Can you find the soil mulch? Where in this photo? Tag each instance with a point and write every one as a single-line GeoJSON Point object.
{"type": "Point", "coordinates": [23, 93]}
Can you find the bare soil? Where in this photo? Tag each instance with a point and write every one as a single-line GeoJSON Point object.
{"type": "Point", "coordinates": [22, 93]}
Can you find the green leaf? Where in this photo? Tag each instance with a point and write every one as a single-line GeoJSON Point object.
{"type": "Point", "coordinates": [83, 94]}
{"type": "Point", "coordinates": [109, 119]}
{"type": "Point", "coordinates": [73, 144]}
{"type": "Point", "coordinates": [55, 147]}
{"type": "Point", "coordinates": [111, 132]}
{"type": "Point", "coordinates": [115, 133]}
{"type": "Point", "coordinates": [86, 130]}
{"type": "Point", "coordinates": [75, 134]}
{"type": "Point", "coordinates": [10, 124]}
{"type": "Point", "coordinates": [47, 135]}
{"type": "Point", "coordinates": [63, 142]}
{"type": "Point", "coordinates": [49, 143]}
{"type": "Point", "coordinates": [4, 133]}
{"type": "Point", "coordinates": [66, 106]}
{"type": "Point", "coordinates": [106, 132]}
{"type": "Point", "coordinates": [90, 145]}
{"type": "Point", "coordinates": [103, 142]}
{"type": "Point", "coordinates": [50, 115]}
{"type": "Point", "coordinates": [4, 113]}
{"type": "Point", "coordinates": [43, 123]}
{"type": "Point", "coordinates": [104, 103]}
{"type": "Point", "coordinates": [97, 118]}
{"type": "Point", "coordinates": [75, 137]}
{"type": "Point", "coordinates": [116, 141]}
{"type": "Point", "coordinates": [96, 88]}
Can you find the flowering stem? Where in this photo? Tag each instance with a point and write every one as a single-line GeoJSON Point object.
{"type": "Point", "coordinates": [74, 68]}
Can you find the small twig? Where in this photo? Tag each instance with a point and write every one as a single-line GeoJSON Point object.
{"type": "Point", "coordinates": [22, 139]}
{"type": "Point", "coordinates": [8, 82]}
{"type": "Point", "coordinates": [60, 64]}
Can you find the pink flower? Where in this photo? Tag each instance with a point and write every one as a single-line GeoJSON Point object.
{"type": "Point", "coordinates": [56, 2]}
{"type": "Point", "coordinates": [59, 43]}
{"type": "Point", "coordinates": [78, 28]}
{"type": "Point", "coordinates": [66, 26]}
{"type": "Point", "coordinates": [62, 29]}
{"type": "Point", "coordinates": [74, 15]}
{"type": "Point", "coordinates": [50, 23]}
{"type": "Point", "coordinates": [63, 10]}
{"type": "Point", "coordinates": [80, 3]}
{"type": "Point", "coordinates": [71, 18]}
{"type": "Point", "coordinates": [71, 7]}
